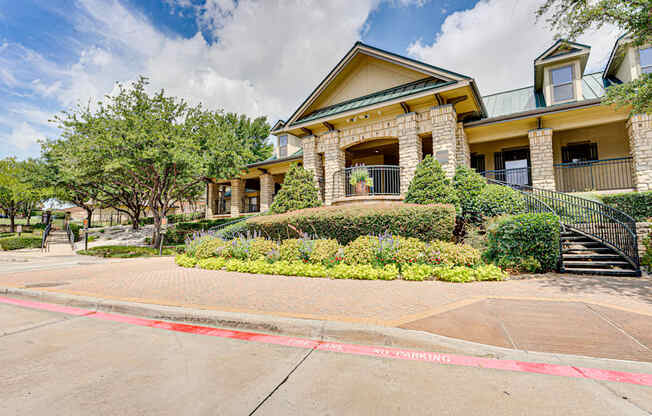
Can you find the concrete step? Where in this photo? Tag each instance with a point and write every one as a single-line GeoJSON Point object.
{"type": "Point", "coordinates": [575, 238]}
{"type": "Point", "coordinates": [602, 272]}
{"type": "Point", "coordinates": [591, 256]}
{"type": "Point", "coordinates": [587, 250]}
{"type": "Point", "coordinates": [596, 264]}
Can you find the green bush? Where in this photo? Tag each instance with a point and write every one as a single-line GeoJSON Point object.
{"type": "Point", "coordinates": [497, 200]}
{"type": "Point", "coordinates": [209, 247]}
{"type": "Point", "coordinates": [638, 205]}
{"type": "Point", "coordinates": [259, 248]}
{"type": "Point", "coordinates": [488, 272]}
{"type": "Point", "coordinates": [178, 233]}
{"type": "Point", "coordinates": [324, 250]}
{"type": "Point", "coordinates": [363, 272]}
{"type": "Point", "coordinates": [512, 239]}
{"type": "Point", "coordinates": [298, 191]}
{"type": "Point", "coordinates": [417, 272]}
{"type": "Point", "coordinates": [409, 250]}
{"type": "Point", "coordinates": [455, 274]}
{"type": "Point", "coordinates": [451, 254]}
{"type": "Point", "coordinates": [232, 231]}
{"type": "Point", "coordinates": [290, 250]}
{"type": "Point", "coordinates": [346, 223]}
{"type": "Point", "coordinates": [469, 185]}
{"type": "Point", "coordinates": [430, 185]}
{"type": "Point", "coordinates": [185, 260]}
{"type": "Point", "coordinates": [75, 228]}
{"type": "Point", "coordinates": [646, 260]}
{"type": "Point", "coordinates": [16, 243]}
{"type": "Point", "coordinates": [125, 252]}
{"type": "Point", "coordinates": [212, 263]}
{"type": "Point", "coordinates": [362, 250]}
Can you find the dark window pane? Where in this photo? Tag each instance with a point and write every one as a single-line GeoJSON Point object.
{"type": "Point", "coordinates": [563, 92]}
{"type": "Point", "coordinates": [561, 75]}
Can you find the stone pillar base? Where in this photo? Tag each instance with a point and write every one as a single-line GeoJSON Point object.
{"type": "Point", "coordinates": [543, 175]}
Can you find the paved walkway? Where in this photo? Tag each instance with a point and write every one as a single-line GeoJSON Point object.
{"type": "Point", "coordinates": [598, 316]}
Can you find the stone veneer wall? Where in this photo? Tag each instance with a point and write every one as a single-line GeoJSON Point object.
{"type": "Point", "coordinates": [410, 150]}
{"type": "Point", "coordinates": [211, 196]}
{"type": "Point", "coordinates": [312, 160]}
{"type": "Point", "coordinates": [463, 157]}
{"type": "Point", "coordinates": [236, 197]}
{"type": "Point", "coordinates": [541, 157]}
{"type": "Point", "coordinates": [266, 191]}
{"type": "Point", "coordinates": [639, 130]}
{"type": "Point", "coordinates": [642, 231]}
{"type": "Point", "coordinates": [334, 161]}
{"type": "Point", "coordinates": [444, 137]}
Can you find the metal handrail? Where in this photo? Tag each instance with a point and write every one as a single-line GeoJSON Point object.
{"type": "Point", "coordinates": [44, 238]}
{"type": "Point", "coordinates": [591, 175]}
{"type": "Point", "coordinates": [592, 162]}
{"type": "Point", "coordinates": [386, 180]}
{"type": "Point", "coordinates": [71, 236]}
{"type": "Point", "coordinates": [601, 222]}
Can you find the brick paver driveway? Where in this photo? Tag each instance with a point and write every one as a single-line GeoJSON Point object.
{"type": "Point", "coordinates": [561, 313]}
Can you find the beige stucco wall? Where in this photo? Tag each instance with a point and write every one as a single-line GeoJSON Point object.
{"type": "Point", "coordinates": [628, 69]}
{"type": "Point", "coordinates": [611, 139]}
{"type": "Point", "coordinates": [488, 148]}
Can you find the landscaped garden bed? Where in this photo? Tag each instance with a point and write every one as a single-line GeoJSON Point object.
{"type": "Point", "coordinates": [126, 251]}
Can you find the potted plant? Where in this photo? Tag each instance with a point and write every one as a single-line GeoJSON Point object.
{"type": "Point", "coordinates": [361, 180]}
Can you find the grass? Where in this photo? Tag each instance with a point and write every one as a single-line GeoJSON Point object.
{"type": "Point", "coordinates": [125, 252]}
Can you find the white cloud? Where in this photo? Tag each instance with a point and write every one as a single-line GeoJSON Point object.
{"type": "Point", "coordinates": [497, 41]}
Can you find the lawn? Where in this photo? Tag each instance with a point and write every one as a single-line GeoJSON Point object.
{"type": "Point", "coordinates": [125, 252]}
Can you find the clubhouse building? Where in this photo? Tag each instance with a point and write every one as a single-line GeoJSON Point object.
{"type": "Point", "coordinates": [385, 112]}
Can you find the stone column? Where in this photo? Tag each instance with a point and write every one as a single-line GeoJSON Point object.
{"type": "Point", "coordinates": [410, 150]}
{"type": "Point", "coordinates": [312, 160]}
{"type": "Point", "coordinates": [211, 195]}
{"type": "Point", "coordinates": [334, 161]}
{"type": "Point", "coordinates": [463, 154]}
{"type": "Point", "coordinates": [639, 130]}
{"type": "Point", "coordinates": [543, 175]}
{"type": "Point", "coordinates": [444, 137]}
{"type": "Point", "coordinates": [236, 197]}
{"type": "Point", "coordinates": [266, 191]}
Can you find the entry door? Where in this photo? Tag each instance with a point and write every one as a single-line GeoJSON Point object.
{"type": "Point", "coordinates": [516, 172]}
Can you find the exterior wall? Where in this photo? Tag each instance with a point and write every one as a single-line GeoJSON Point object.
{"type": "Point", "coordinates": [312, 160]}
{"type": "Point", "coordinates": [211, 196]}
{"type": "Point", "coordinates": [444, 137]}
{"type": "Point", "coordinates": [541, 157]}
{"type": "Point", "coordinates": [463, 156]}
{"type": "Point", "coordinates": [639, 128]}
{"type": "Point", "coordinates": [266, 191]}
{"type": "Point", "coordinates": [577, 80]}
{"type": "Point", "coordinates": [409, 148]}
{"type": "Point", "coordinates": [237, 186]}
{"type": "Point", "coordinates": [611, 138]}
{"type": "Point", "coordinates": [628, 69]}
{"type": "Point", "coordinates": [334, 161]}
{"type": "Point", "coordinates": [642, 230]}
{"type": "Point", "coordinates": [489, 148]}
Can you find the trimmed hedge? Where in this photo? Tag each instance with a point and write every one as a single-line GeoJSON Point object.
{"type": "Point", "coordinates": [469, 185]}
{"type": "Point", "coordinates": [495, 200]}
{"type": "Point", "coordinates": [346, 223]}
{"type": "Point", "coordinates": [636, 204]}
{"type": "Point", "coordinates": [528, 242]}
{"type": "Point", "coordinates": [178, 233]}
{"type": "Point", "coordinates": [430, 185]}
{"type": "Point", "coordinates": [15, 243]}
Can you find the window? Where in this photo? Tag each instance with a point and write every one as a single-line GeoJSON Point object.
{"type": "Point", "coordinates": [579, 152]}
{"type": "Point", "coordinates": [477, 162]}
{"type": "Point", "coordinates": [562, 84]}
{"type": "Point", "coordinates": [253, 204]}
{"type": "Point", "coordinates": [646, 60]}
{"type": "Point", "coordinates": [283, 146]}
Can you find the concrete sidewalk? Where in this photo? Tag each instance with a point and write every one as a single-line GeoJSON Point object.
{"type": "Point", "coordinates": [595, 316]}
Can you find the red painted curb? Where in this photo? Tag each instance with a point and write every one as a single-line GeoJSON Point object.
{"type": "Point", "coordinates": [382, 352]}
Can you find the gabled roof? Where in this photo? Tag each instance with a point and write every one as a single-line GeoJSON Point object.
{"type": "Point", "coordinates": [526, 99]}
{"type": "Point", "coordinates": [615, 57]}
{"type": "Point", "coordinates": [560, 50]}
{"type": "Point", "coordinates": [375, 98]}
{"type": "Point", "coordinates": [361, 48]}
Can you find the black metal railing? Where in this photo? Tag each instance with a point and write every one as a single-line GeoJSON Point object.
{"type": "Point", "coordinates": [594, 175]}
{"type": "Point", "coordinates": [71, 236]}
{"type": "Point", "coordinates": [601, 222]}
{"type": "Point", "coordinates": [518, 176]}
{"type": "Point", "coordinates": [379, 180]}
{"type": "Point", "coordinates": [44, 238]}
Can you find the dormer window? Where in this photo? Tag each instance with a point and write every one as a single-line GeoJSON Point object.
{"type": "Point", "coordinates": [646, 60]}
{"type": "Point", "coordinates": [562, 84]}
{"type": "Point", "coordinates": [283, 146]}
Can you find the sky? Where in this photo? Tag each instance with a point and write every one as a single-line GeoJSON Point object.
{"type": "Point", "coordinates": [258, 57]}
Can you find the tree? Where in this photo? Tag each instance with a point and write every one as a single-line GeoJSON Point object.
{"type": "Point", "coordinates": [38, 190]}
{"type": "Point", "coordinates": [254, 134]}
{"type": "Point", "coordinates": [153, 151]}
{"type": "Point", "coordinates": [571, 18]}
{"type": "Point", "coordinates": [298, 191]}
{"type": "Point", "coordinates": [12, 189]}
{"type": "Point", "coordinates": [430, 185]}
{"type": "Point", "coordinates": [469, 185]}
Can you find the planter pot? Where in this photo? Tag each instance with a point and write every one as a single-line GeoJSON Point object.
{"type": "Point", "coordinates": [361, 189]}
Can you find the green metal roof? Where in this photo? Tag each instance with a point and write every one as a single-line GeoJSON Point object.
{"type": "Point", "coordinates": [375, 98]}
{"type": "Point", "coordinates": [525, 99]}
{"type": "Point", "coordinates": [274, 158]}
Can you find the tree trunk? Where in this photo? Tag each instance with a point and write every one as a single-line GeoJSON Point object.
{"type": "Point", "coordinates": [156, 235]}
{"type": "Point", "coordinates": [12, 222]}
{"type": "Point", "coordinates": [89, 216]}
{"type": "Point", "coordinates": [134, 222]}
{"type": "Point", "coordinates": [29, 216]}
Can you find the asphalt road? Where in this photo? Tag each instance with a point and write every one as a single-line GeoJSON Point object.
{"type": "Point", "coordinates": [56, 364]}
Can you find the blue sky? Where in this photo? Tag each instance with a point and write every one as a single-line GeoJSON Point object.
{"type": "Point", "coordinates": [260, 57]}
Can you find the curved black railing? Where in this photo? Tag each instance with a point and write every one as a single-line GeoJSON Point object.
{"type": "Point", "coordinates": [46, 232]}
{"type": "Point", "coordinates": [603, 223]}
{"type": "Point", "coordinates": [594, 175]}
{"type": "Point", "coordinates": [368, 180]}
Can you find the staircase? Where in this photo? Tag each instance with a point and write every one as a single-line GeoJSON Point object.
{"type": "Point", "coordinates": [57, 237]}
{"type": "Point", "coordinates": [583, 255]}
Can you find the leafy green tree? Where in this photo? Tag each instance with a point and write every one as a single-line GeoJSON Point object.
{"type": "Point", "coordinates": [13, 189]}
{"type": "Point", "coordinates": [469, 185]}
{"type": "Point", "coordinates": [254, 134]}
{"type": "Point", "coordinates": [430, 185]}
{"type": "Point", "coordinates": [571, 18]}
{"type": "Point", "coordinates": [38, 190]}
{"type": "Point", "coordinates": [298, 191]}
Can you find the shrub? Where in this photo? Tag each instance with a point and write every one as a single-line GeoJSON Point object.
{"type": "Point", "coordinates": [469, 185]}
{"type": "Point", "coordinates": [209, 247]}
{"type": "Point", "coordinates": [488, 272]}
{"type": "Point", "coordinates": [454, 274]}
{"type": "Point", "coordinates": [185, 260]}
{"type": "Point", "coordinates": [430, 185]}
{"type": "Point", "coordinates": [417, 272]}
{"type": "Point", "coordinates": [232, 231]}
{"type": "Point", "coordinates": [212, 263]}
{"type": "Point", "coordinates": [638, 205]}
{"type": "Point", "coordinates": [195, 241]}
{"type": "Point", "coordinates": [259, 248]}
{"type": "Point", "coordinates": [237, 248]}
{"type": "Point", "coordinates": [324, 250]}
{"type": "Point", "coordinates": [363, 272]}
{"type": "Point", "coordinates": [346, 223]}
{"type": "Point", "coordinates": [360, 251]}
{"type": "Point", "coordinates": [75, 228]}
{"type": "Point", "coordinates": [646, 260]}
{"type": "Point", "coordinates": [511, 239]}
{"type": "Point", "coordinates": [290, 250]}
{"type": "Point", "coordinates": [125, 252]}
{"type": "Point", "coordinates": [409, 250]}
{"type": "Point", "coordinates": [298, 191]}
{"type": "Point", "coordinates": [15, 243]}
{"type": "Point", "coordinates": [451, 254]}
{"type": "Point", "coordinates": [497, 200]}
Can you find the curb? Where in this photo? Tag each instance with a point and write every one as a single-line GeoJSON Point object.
{"type": "Point", "coordinates": [311, 329]}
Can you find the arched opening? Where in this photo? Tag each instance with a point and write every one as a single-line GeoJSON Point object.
{"type": "Point", "coordinates": [373, 153]}
{"type": "Point", "coordinates": [372, 168]}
